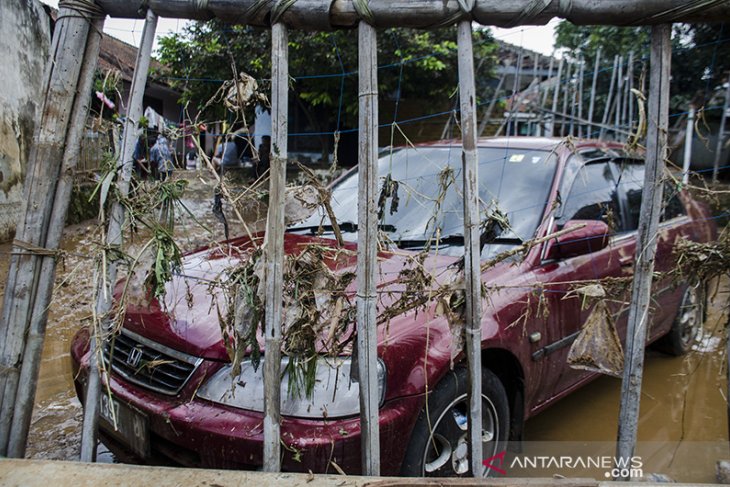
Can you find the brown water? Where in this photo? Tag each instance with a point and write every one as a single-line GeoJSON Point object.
{"type": "Point", "coordinates": [683, 427]}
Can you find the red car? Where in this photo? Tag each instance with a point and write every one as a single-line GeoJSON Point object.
{"type": "Point", "coordinates": [183, 410]}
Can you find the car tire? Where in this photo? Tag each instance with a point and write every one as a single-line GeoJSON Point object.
{"type": "Point", "coordinates": [439, 440]}
{"type": "Point", "coordinates": [687, 323]}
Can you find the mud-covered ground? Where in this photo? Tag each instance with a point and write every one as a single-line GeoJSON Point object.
{"type": "Point", "coordinates": [683, 428]}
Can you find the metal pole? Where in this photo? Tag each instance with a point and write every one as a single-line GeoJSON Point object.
{"type": "Point", "coordinates": [114, 238]}
{"type": "Point", "coordinates": [512, 125]}
{"type": "Point", "coordinates": [274, 246]}
{"type": "Point", "coordinates": [556, 96]}
{"type": "Point", "coordinates": [594, 84]}
{"type": "Point", "coordinates": [651, 208]}
{"type": "Point", "coordinates": [721, 134]}
{"type": "Point", "coordinates": [619, 93]}
{"type": "Point", "coordinates": [44, 165]}
{"type": "Point", "coordinates": [566, 95]}
{"type": "Point", "coordinates": [34, 346]}
{"type": "Point", "coordinates": [367, 224]}
{"type": "Point", "coordinates": [688, 139]}
{"type": "Point", "coordinates": [472, 273]}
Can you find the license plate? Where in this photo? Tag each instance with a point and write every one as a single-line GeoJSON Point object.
{"type": "Point", "coordinates": [132, 427]}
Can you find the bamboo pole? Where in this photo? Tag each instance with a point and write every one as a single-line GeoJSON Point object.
{"type": "Point", "coordinates": [619, 92]}
{"type": "Point", "coordinates": [488, 113]}
{"type": "Point", "coordinates": [58, 94]}
{"type": "Point", "coordinates": [556, 96]}
{"type": "Point", "coordinates": [651, 208]}
{"type": "Point", "coordinates": [325, 14]}
{"type": "Point", "coordinates": [721, 134]}
{"type": "Point", "coordinates": [34, 343]}
{"type": "Point", "coordinates": [688, 139]}
{"type": "Point", "coordinates": [114, 239]}
{"type": "Point", "coordinates": [472, 259]}
{"type": "Point", "coordinates": [581, 77]}
{"type": "Point", "coordinates": [631, 87]}
{"type": "Point", "coordinates": [594, 84]}
{"type": "Point", "coordinates": [566, 95]}
{"type": "Point", "coordinates": [607, 108]}
{"type": "Point", "coordinates": [274, 246]}
{"type": "Point", "coordinates": [367, 224]}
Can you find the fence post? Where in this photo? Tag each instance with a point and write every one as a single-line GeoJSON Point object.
{"type": "Point", "coordinates": [44, 165]}
{"type": "Point", "coordinates": [651, 207]}
{"type": "Point", "coordinates": [34, 345]}
{"type": "Point", "coordinates": [114, 238]}
{"type": "Point", "coordinates": [556, 97]}
{"type": "Point", "coordinates": [594, 84]}
{"type": "Point", "coordinates": [472, 272]}
{"type": "Point", "coordinates": [367, 224]}
{"type": "Point", "coordinates": [274, 246]}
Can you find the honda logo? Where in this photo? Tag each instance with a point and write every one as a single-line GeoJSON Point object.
{"type": "Point", "coordinates": [134, 357]}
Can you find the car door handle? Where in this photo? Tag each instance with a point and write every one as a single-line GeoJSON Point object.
{"type": "Point", "coordinates": [626, 261]}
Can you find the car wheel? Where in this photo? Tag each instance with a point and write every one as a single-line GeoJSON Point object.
{"type": "Point", "coordinates": [439, 442]}
{"type": "Point", "coordinates": [687, 323]}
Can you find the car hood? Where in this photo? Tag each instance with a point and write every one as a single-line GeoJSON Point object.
{"type": "Point", "coordinates": [187, 318]}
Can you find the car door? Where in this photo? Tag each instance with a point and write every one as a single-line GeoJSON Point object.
{"type": "Point", "coordinates": [590, 192]}
{"type": "Point", "coordinates": [674, 224]}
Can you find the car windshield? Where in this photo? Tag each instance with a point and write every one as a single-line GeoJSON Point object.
{"type": "Point", "coordinates": [428, 196]}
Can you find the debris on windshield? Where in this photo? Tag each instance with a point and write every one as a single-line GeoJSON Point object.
{"type": "Point", "coordinates": [389, 190]}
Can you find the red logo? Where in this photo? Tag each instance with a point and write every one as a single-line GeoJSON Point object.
{"type": "Point", "coordinates": [489, 463]}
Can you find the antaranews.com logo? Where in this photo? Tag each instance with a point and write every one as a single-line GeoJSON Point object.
{"type": "Point", "coordinates": [613, 467]}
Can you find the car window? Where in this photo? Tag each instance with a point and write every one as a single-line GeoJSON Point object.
{"type": "Point", "coordinates": [632, 184]}
{"type": "Point", "coordinates": [593, 195]}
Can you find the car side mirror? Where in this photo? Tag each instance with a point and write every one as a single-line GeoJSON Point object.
{"type": "Point", "coordinates": [590, 236]}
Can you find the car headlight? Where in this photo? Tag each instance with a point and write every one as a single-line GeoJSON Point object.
{"type": "Point", "coordinates": [335, 395]}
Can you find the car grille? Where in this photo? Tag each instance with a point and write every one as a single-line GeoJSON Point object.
{"type": "Point", "coordinates": [149, 364]}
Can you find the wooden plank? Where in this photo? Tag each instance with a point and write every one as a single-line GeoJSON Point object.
{"type": "Point", "coordinates": [274, 246]}
{"type": "Point", "coordinates": [114, 237]}
{"type": "Point", "coordinates": [367, 244]}
{"type": "Point", "coordinates": [44, 165]}
{"type": "Point", "coordinates": [430, 13]}
{"type": "Point", "coordinates": [472, 271]}
{"type": "Point", "coordinates": [25, 398]}
{"type": "Point", "coordinates": [646, 245]}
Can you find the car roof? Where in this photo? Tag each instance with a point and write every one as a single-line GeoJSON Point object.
{"type": "Point", "coordinates": [529, 143]}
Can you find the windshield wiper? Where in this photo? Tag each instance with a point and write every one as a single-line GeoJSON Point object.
{"type": "Point", "coordinates": [455, 239]}
{"type": "Point", "coordinates": [347, 227]}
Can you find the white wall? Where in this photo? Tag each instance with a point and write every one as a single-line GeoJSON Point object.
{"type": "Point", "coordinates": [24, 45]}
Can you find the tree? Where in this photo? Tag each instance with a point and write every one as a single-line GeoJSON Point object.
{"type": "Point", "coordinates": [414, 64]}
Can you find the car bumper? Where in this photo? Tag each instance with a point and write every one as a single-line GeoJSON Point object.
{"type": "Point", "coordinates": [199, 433]}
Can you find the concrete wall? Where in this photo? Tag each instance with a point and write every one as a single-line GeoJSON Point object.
{"type": "Point", "coordinates": [24, 45]}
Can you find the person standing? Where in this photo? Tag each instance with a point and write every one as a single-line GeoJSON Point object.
{"type": "Point", "coordinates": [161, 157]}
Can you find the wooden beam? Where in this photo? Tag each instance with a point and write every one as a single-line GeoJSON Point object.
{"type": "Point", "coordinates": [646, 245]}
{"type": "Point", "coordinates": [114, 239]}
{"type": "Point", "coordinates": [367, 244]}
{"type": "Point", "coordinates": [472, 259]}
{"type": "Point", "coordinates": [44, 166]}
{"type": "Point", "coordinates": [274, 246]}
{"type": "Point", "coordinates": [317, 14]}
{"type": "Point", "coordinates": [556, 97]}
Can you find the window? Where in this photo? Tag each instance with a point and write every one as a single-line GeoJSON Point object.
{"type": "Point", "coordinates": [593, 195]}
{"type": "Point", "coordinates": [632, 184]}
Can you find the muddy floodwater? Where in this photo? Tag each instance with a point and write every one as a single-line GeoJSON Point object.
{"type": "Point", "coordinates": [683, 428]}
